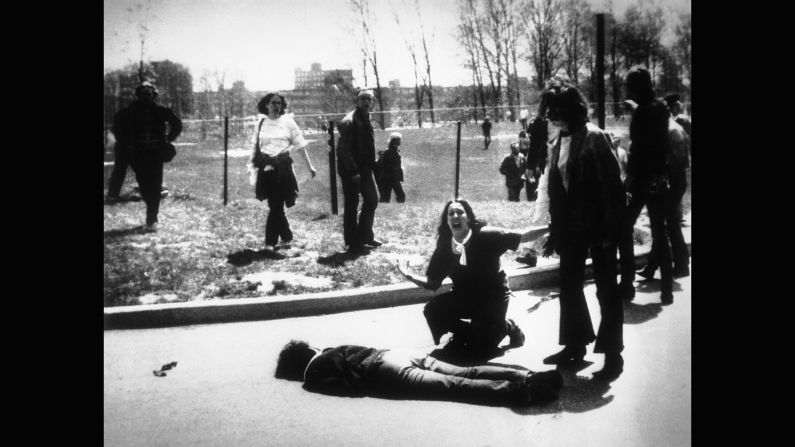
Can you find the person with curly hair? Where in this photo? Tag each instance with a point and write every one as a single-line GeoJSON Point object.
{"type": "Point", "coordinates": [276, 137]}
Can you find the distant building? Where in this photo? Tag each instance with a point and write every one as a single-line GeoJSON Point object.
{"type": "Point", "coordinates": [313, 78]}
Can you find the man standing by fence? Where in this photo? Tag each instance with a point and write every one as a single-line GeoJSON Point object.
{"type": "Point", "coordinates": [140, 130]}
{"type": "Point", "coordinates": [355, 163]}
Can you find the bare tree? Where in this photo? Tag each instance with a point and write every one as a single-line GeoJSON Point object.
{"type": "Point", "coordinates": [577, 28]}
{"type": "Point", "coordinates": [428, 84]}
{"type": "Point", "coordinates": [544, 23]}
{"type": "Point", "coordinates": [418, 92]}
{"type": "Point", "coordinates": [369, 50]}
{"type": "Point", "coordinates": [466, 35]}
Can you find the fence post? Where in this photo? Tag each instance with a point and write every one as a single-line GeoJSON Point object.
{"type": "Point", "coordinates": [457, 158]}
{"type": "Point", "coordinates": [226, 149]}
{"type": "Point", "coordinates": [332, 167]}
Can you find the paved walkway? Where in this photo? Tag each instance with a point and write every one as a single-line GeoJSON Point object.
{"type": "Point", "coordinates": [222, 391]}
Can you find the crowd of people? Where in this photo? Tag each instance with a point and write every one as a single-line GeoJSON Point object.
{"type": "Point", "coordinates": [588, 194]}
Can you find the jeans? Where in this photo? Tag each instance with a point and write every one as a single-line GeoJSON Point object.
{"type": "Point", "coordinates": [411, 375]}
{"type": "Point", "coordinates": [385, 191]}
{"type": "Point", "coordinates": [276, 225]}
{"type": "Point", "coordinates": [655, 204]}
{"type": "Point", "coordinates": [359, 229]}
{"type": "Point", "coordinates": [149, 173]}
{"type": "Point", "coordinates": [673, 217]}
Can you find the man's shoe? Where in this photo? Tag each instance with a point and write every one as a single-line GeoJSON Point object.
{"type": "Point", "coordinates": [614, 366]}
{"type": "Point", "coordinates": [150, 228]}
{"type": "Point", "coordinates": [667, 297]}
{"type": "Point", "coordinates": [569, 354]}
{"type": "Point", "coordinates": [373, 244]}
{"type": "Point", "coordinates": [646, 273]}
{"type": "Point", "coordinates": [515, 335]}
{"type": "Point", "coordinates": [626, 291]}
{"type": "Point", "coordinates": [358, 250]}
{"type": "Point", "coordinates": [552, 378]}
{"type": "Point", "coordinates": [681, 273]}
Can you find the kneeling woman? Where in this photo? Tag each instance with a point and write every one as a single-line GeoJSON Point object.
{"type": "Point", "coordinates": [276, 136]}
{"type": "Point", "coordinates": [469, 253]}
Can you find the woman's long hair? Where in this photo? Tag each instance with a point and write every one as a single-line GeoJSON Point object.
{"type": "Point", "coordinates": [444, 234]}
{"type": "Point", "coordinates": [639, 83]}
{"type": "Point", "coordinates": [570, 106]}
{"type": "Point", "coordinates": [262, 105]}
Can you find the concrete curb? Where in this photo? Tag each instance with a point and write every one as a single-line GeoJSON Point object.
{"type": "Point", "coordinates": [268, 308]}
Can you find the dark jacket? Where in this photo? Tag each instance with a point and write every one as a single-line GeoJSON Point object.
{"type": "Point", "coordinates": [342, 370]}
{"type": "Point", "coordinates": [140, 126]}
{"type": "Point", "coordinates": [356, 145]}
{"type": "Point", "coordinates": [648, 133]}
{"type": "Point", "coordinates": [537, 155]}
{"type": "Point", "coordinates": [594, 202]}
{"type": "Point", "coordinates": [482, 279]}
{"type": "Point", "coordinates": [390, 168]}
{"type": "Point", "coordinates": [512, 172]}
{"type": "Point", "coordinates": [486, 126]}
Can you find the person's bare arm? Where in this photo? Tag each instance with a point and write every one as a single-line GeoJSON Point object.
{"type": "Point", "coordinates": [425, 283]}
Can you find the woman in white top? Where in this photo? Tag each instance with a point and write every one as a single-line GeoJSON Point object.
{"type": "Point", "coordinates": [277, 135]}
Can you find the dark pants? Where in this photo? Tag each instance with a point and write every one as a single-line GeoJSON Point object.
{"type": "Point", "coordinates": [149, 173]}
{"type": "Point", "coordinates": [486, 141]}
{"type": "Point", "coordinates": [276, 225]}
{"type": "Point", "coordinates": [407, 374]}
{"type": "Point", "coordinates": [513, 192]}
{"type": "Point", "coordinates": [444, 313]}
{"type": "Point", "coordinates": [358, 227]}
{"type": "Point", "coordinates": [121, 160]}
{"type": "Point", "coordinates": [576, 328]}
{"type": "Point", "coordinates": [531, 189]}
{"type": "Point", "coordinates": [626, 247]}
{"type": "Point", "coordinates": [385, 191]}
{"type": "Point", "coordinates": [673, 218]}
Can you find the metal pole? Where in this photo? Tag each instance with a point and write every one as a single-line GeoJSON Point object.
{"type": "Point", "coordinates": [457, 158]}
{"type": "Point", "coordinates": [600, 68]}
{"type": "Point", "coordinates": [226, 157]}
{"type": "Point", "coordinates": [332, 167]}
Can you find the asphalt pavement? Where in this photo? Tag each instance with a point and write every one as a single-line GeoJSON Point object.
{"type": "Point", "coordinates": [222, 391]}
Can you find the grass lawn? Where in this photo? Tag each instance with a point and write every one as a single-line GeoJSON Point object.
{"type": "Point", "coordinates": [205, 250]}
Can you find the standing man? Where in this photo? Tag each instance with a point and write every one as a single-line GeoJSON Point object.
{"type": "Point", "coordinates": [513, 167]}
{"type": "Point", "coordinates": [486, 126]}
{"type": "Point", "coordinates": [356, 163]}
{"type": "Point", "coordinates": [646, 182]}
{"type": "Point", "coordinates": [140, 131]}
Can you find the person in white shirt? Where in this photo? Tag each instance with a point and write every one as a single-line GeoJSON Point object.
{"type": "Point", "coordinates": [277, 135]}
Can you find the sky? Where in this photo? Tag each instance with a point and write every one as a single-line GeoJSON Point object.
{"type": "Point", "coordinates": [262, 42]}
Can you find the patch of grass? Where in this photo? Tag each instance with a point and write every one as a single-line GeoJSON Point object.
{"type": "Point", "coordinates": [188, 255]}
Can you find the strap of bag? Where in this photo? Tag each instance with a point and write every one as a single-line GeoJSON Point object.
{"type": "Point", "coordinates": [259, 126]}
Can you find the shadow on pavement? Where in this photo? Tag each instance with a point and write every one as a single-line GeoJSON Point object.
{"type": "Point", "coordinates": [247, 256]}
{"type": "Point", "coordinates": [636, 313]}
{"type": "Point", "coordinates": [579, 394]}
{"type": "Point", "coordinates": [653, 285]}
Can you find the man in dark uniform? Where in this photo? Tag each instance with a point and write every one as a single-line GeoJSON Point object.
{"type": "Point", "coordinates": [486, 126]}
